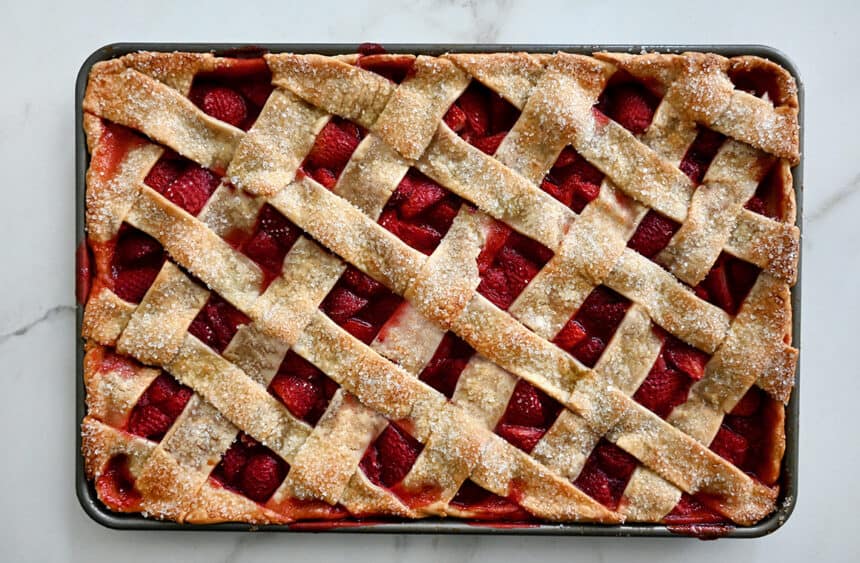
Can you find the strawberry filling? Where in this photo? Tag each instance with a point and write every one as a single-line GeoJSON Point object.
{"type": "Point", "coordinates": [182, 181]}
{"type": "Point", "coordinates": [444, 368]}
{"type": "Point", "coordinates": [137, 259]}
{"type": "Point", "coordinates": [588, 332]}
{"type": "Point", "coordinates": [507, 263]}
{"type": "Point", "coordinates": [360, 305]}
{"type": "Point", "coordinates": [234, 94]}
{"type": "Point", "coordinates": [83, 272]}
{"type": "Point", "coordinates": [390, 457]}
{"type": "Point", "coordinates": [304, 390]}
{"type": "Point", "coordinates": [251, 469]}
{"type": "Point", "coordinates": [530, 413]}
{"type": "Point", "coordinates": [629, 104]}
{"type": "Point", "coordinates": [760, 82]}
{"type": "Point", "coordinates": [653, 234]}
{"type": "Point", "coordinates": [217, 322]}
{"type": "Point", "coordinates": [158, 408]}
{"type": "Point", "coordinates": [395, 68]}
{"type": "Point", "coordinates": [420, 212]}
{"type": "Point", "coordinates": [668, 383]}
{"type": "Point", "coordinates": [267, 245]}
{"type": "Point", "coordinates": [747, 435]}
{"type": "Point", "coordinates": [728, 283]}
{"type": "Point", "coordinates": [332, 149]}
{"type": "Point", "coordinates": [115, 143]}
{"type": "Point", "coordinates": [768, 197]}
{"type": "Point", "coordinates": [573, 180]}
{"type": "Point", "coordinates": [481, 117]}
{"type": "Point", "coordinates": [700, 154]}
{"type": "Point", "coordinates": [116, 485]}
{"type": "Point", "coordinates": [606, 473]}
{"type": "Point", "coordinates": [485, 505]}
{"type": "Point", "coordinates": [690, 511]}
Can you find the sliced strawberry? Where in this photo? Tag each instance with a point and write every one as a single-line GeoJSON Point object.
{"type": "Point", "coordinates": [333, 146]}
{"type": "Point", "coordinates": [496, 238]}
{"type": "Point", "coordinates": [191, 190]}
{"type": "Point", "coordinates": [731, 446]}
{"type": "Point", "coordinates": [217, 322]}
{"type": "Point", "coordinates": [361, 283]}
{"type": "Point", "coordinates": [743, 276]}
{"type": "Point", "coordinates": [299, 394]}
{"type": "Point", "coordinates": [494, 286]}
{"type": "Point", "coordinates": [490, 144]}
{"type": "Point", "coordinates": [233, 461]}
{"type": "Point", "coordinates": [614, 461]}
{"type": "Point", "coordinates": [486, 505]}
{"type": "Point", "coordinates": [685, 358]}
{"type": "Point", "coordinates": [518, 269]}
{"type": "Point", "coordinates": [371, 49]}
{"type": "Point", "coordinates": [631, 105]}
{"type": "Point", "coordinates": [161, 389]}
{"type": "Point", "coordinates": [567, 157]}
{"type": "Point", "coordinates": [380, 309]}
{"type": "Point", "coordinates": [474, 105]}
{"type": "Point", "coordinates": [757, 205]}
{"type": "Point", "coordinates": [531, 249]}
{"type": "Point", "coordinates": [278, 226]}
{"type": "Point", "coordinates": [589, 351]}
{"type": "Point", "coordinates": [131, 284]}
{"type": "Point", "coordinates": [455, 118]}
{"type": "Point", "coordinates": [265, 251]}
{"type": "Point", "coordinates": [663, 389]}
{"type": "Point", "coordinates": [174, 406]}
{"type": "Point", "coordinates": [443, 374]}
{"type": "Point", "coordinates": [225, 104]}
{"type": "Point", "coordinates": [165, 171]}
{"type": "Point", "coordinates": [595, 483]}
{"type": "Point", "coordinates": [393, 67]}
{"type": "Point", "coordinates": [83, 272]}
{"type": "Point", "coordinates": [749, 403]}
{"type": "Point", "coordinates": [653, 234]}
{"type": "Point", "coordinates": [602, 312]}
{"type": "Point", "coordinates": [149, 422]}
{"type": "Point", "coordinates": [563, 193]}
{"type": "Point", "coordinates": [719, 291]}
{"type": "Point", "coordinates": [135, 247]}
{"type": "Point", "coordinates": [397, 452]}
{"type": "Point", "coordinates": [525, 407]}
{"type": "Point", "coordinates": [256, 91]}
{"type": "Point", "coordinates": [700, 154]}
{"type": "Point", "coordinates": [570, 335]}
{"type": "Point", "coordinates": [423, 194]}
{"type": "Point", "coordinates": [423, 238]}
{"type": "Point", "coordinates": [441, 216]}
{"type": "Point", "coordinates": [116, 485]}
{"type": "Point", "coordinates": [342, 304]}
{"type": "Point", "coordinates": [261, 476]}
{"type": "Point", "coordinates": [360, 329]}
{"type": "Point", "coordinates": [324, 176]}
{"type": "Point", "coordinates": [371, 465]}
{"type": "Point", "coordinates": [690, 511]}
{"type": "Point", "coordinates": [503, 114]}
{"type": "Point", "coordinates": [523, 437]}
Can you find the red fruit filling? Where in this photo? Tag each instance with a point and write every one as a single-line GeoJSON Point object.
{"type": "Point", "coordinates": [759, 82]}
{"type": "Point", "coordinates": [481, 117]}
{"type": "Point", "coordinates": [114, 144]}
{"type": "Point", "coordinates": [305, 390]}
{"type": "Point", "coordinates": [728, 283]}
{"type": "Point", "coordinates": [182, 181]}
{"type": "Point", "coordinates": [690, 511]}
{"type": "Point", "coordinates": [630, 104]}
{"type": "Point", "coordinates": [158, 407]}
{"type": "Point", "coordinates": [251, 469]}
{"type": "Point", "coordinates": [606, 473]}
{"type": "Point", "coordinates": [393, 67]}
{"type": "Point", "coordinates": [420, 212]}
{"type": "Point", "coordinates": [573, 180]}
{"type": "Point", "coordinates": [653, 234]}
{"type": "Point", "coordinates": [267, 245]}
{"type": "Point", "coordinates": [485, 505]}
{"type": "Point", "coordinates": [747, 438]}
{"type": "Point", "coordinates": [529, 415]}
{"type": "Point", "coordinates": [444, 368]}
{"type": "Point", "coordinates": [390, 457]}
{"type": "Point", "coordinates": [768, 197]}
{"type": "Point", "coordinates": [137, 259]}
{"type": "Point", "coordinates": [83, 271]}
{"type": "Point", "coordinates": [668, 383]}
{"type": "Point", "coordinates": [588, 332]}
{"type": "Point", "coordinates": [331, 151]}
{"type": "Point", "coordinates": [217, 322]}
{"type": "Point", "coordinates": [234, 94]}
{"type": "Point", "coordinates": [360, 304]}
{"type": "Point", "coordinates": [115, 485]}
{"type": "Point", "coordinates": [108, 361]}
{"type": "Point", "coordinates": [507, 263]}
{"type": "Point", "coordinates": [700, 154]}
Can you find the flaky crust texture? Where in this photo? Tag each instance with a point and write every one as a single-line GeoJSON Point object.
{"type": "Point", "coordinates": [128, 344]}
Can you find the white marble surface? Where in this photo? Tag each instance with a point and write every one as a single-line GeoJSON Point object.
{"type": "Point", "coordinates": [40, 519]}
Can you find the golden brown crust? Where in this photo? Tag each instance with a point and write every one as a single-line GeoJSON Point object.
{"type": "Point", "coordinates": [147, 92]}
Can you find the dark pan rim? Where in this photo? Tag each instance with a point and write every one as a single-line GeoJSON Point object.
{"type": "Point", "coordinates": [789, 472]}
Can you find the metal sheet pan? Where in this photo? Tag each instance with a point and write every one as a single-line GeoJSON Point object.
{"type": "Point", "coordinates": [98, 512]}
